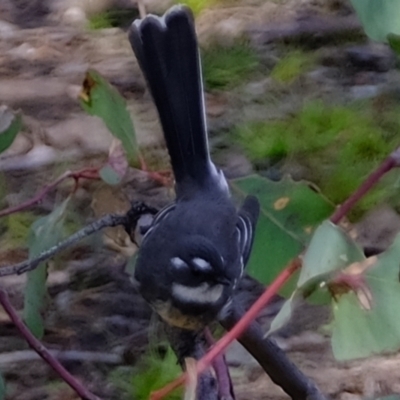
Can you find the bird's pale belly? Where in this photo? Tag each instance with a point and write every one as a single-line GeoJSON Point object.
{"type": "Point", "coordinates": [175, 317]}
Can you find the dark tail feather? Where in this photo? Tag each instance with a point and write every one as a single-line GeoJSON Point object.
{"type": "Point", "coordinates": [167, 52]}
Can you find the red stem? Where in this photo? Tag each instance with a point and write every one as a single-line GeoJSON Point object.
{"type": "Point", "coordinates": [221, 370]}
{"type": "Point", "coordinates": [42, 351]}
{"type": "Point", "coordinates": [88, 173]}
{"type": "Point", "coordinates": [250, 315]}
{"type": "Point", "coordinates": [392, 161]}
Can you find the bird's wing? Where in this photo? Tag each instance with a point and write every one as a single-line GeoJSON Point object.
{"type": "Point", "coordinates": [246, 225]}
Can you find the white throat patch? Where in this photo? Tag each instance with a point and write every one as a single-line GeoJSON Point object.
{"type": "Point", "coordinates": [203, 294]}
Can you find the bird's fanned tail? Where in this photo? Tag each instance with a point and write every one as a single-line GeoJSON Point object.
{"type": "Point", "coordinates": [167, 51]}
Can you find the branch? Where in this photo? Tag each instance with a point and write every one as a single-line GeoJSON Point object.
{"type": "Point", "coordinates": [392, 161]}
{"type": "Point", "coordinates": [24, 356]}
{"type": "Point", "coordinates": [88, 173]}
{"type": "Point", "coordinates": [250, 315]}
{"type": "Point", "coordinates": [272, 359]}
{"type": "Point", "coordinates": [28, 265]}
{"type": "Point", "coordinates": [42, 351]}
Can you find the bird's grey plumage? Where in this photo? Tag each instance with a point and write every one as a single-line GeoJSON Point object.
{"type": "Point", "coordinates": [195, 250]}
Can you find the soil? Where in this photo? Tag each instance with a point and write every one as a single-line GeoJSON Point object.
{"type": "Point", "coordinates": [96, 320]}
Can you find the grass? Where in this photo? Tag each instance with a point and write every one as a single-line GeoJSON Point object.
{"type": "Point", "coordinates": [18, 226]}
{"type": "Point", "coordinates": [197, 6]}
{"type": "Point", "coordinates": [112, 18]}
{"type": "Point", "coordinates": [338, 145]}
{"type": "Point", "coordinates": [226, 67]}
{"type": "Point", "coordinates": [292, 66]}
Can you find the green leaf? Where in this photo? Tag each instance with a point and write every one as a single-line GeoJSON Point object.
{"type": "Point", "coordinates": [44, 233]}
{"type": "Point", "coordinates": [330, 249]}
{"type": "Point", "coordinates": [360, 331]}
{"type": "Point", "coordinates": [283, 316]}
{"type": "Point", "coordinates": [379, 18]}
{"type": "Point", "coordinates": [394, 42]}
{"type": "Point", "coordinates": [117, 165]}
{"type": "Point", "coordinates": [155, 373]}
{"type": "Point", "coordinates": [109, 175]}
{"type": "Point", "coordinates": [392, 397]}
{"type": "Point", "coordinates": [290, 211]}
{"type": "Point", "coordinates": [10, 125]}
{"type": "Point", "coordinates": [2, 387]}
{"type": "Point", "coordinates": [99, 98]}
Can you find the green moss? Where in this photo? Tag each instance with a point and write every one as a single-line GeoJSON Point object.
{"type": "Point", "coordinates": [226, 67]}
{"type": "Point", "coordinates": [197, 6]}
{"type": "Point", "coordinates": [112, 18]}
{"type": "Point", "coordinates": [100, 21]}
{"type": "Point", "coordinates": [293, 65]}
{"type": "Point", "coordinates": [339, 146]}
{"type": "Point", "coordinates": [264, 140]}
{"type": "Point", "coordinates": [18, 226]}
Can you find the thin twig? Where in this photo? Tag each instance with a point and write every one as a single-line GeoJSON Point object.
{"type": "Point", "coordinates": [250, 315]}
{"type": "Point", "coordinates": [88, 173]}
{"type": "Point", "coordinates": [392, 161]}
{"type": "Point", "coordinates": [225, 386]}
{"type": "Point", "coordinates": [142, 8]}
{"type": "Point", "coordinates": [42, 351]}
{"type": "Point", "coordinates": [28, 265]}
{"type": "Point", "coordinates": [24, 356]}
{"type": "Point", "coordinates": [191, 344]}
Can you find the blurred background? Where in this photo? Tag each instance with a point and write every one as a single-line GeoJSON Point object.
{"type": "Point", "coordinates": [293, 87]}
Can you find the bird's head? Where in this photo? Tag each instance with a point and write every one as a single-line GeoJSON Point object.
{"type": "Point", "coordinates": [198, 274]}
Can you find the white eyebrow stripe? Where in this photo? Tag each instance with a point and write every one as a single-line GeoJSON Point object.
{"type": "Point", "coordinates": [178, 263]}
{"type": "Point", "coordinates": [201, 264]}
{"type": "Point", "coordinates": [203, 294]}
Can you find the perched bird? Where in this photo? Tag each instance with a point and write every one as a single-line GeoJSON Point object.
{"type": "Point", "coordinates": [195, 251]}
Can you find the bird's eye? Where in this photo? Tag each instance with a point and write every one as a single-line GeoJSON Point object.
{"type": "Point", "coordinates": [178, 263]}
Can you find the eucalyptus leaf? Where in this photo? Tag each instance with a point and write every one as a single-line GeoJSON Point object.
{"type": "Point", "coordinates": [99, 98]}
{"type": "Point", "coordinates": [359, 330]}
{"type": "Point", "coordinates": [379, 18]}
{"type": "Point", "coordinates": [284, 315]}
{"type": "Point", "coordinates": [44, 233]}
{"type": "Point", "coordinates": [2, 387]}
{"type": "Point", "coordinates": [109, 175]}
{"type": "Point", "coordinates": [394, 42]}
{"type": "Point", "coordinates": [330, 249]}
{"type": "Point", "coordinates": [10, 125]}
{"type": "Point", "coordinates": [290, 212]}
